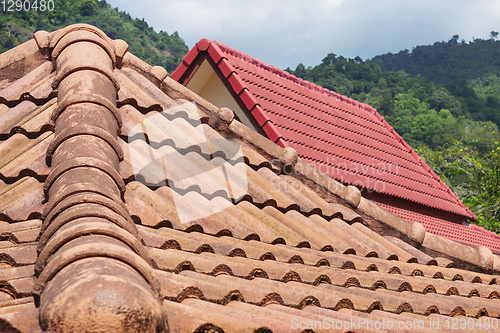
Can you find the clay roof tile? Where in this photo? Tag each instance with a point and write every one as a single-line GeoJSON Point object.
{"type": "Point", "coordinates": [209, 251]}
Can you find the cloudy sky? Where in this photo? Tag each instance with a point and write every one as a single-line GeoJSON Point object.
{"type": "Point", "coordinates": [284, 33]}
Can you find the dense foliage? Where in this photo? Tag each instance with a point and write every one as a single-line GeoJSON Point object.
{"type": "Point", "coordinates": [473, 173]}
{"type": "Point", "coordinates": [160, 48]}
{"type": "Point", "coordinates": [444, 62]}
{"type": "Point", "coordinates": [450, 117]}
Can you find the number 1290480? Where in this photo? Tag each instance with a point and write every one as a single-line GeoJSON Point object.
{"type": "Point", "coordinates": [27, 5]}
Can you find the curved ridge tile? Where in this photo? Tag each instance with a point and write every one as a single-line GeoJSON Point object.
{"type": "Point", "coordinates": [70, 263]}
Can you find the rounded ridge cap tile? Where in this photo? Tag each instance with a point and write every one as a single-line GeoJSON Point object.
{"type": "Point", "coordinates": [59, 34]}
{"type": "Point", "coordinates": [83, 36]}
{"type": "Point", "coordinates": [203, 44]}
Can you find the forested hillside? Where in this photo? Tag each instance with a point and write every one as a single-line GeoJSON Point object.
{"type": "Point", "coordinates": [444, 62]}
{"type": "Point", "coordinates": [452, 125]}
{"type": "Point", "coordinates": [160, 48]}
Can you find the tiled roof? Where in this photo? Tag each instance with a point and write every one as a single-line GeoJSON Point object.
{"type": "Point", "coordinates": [94, 240]}
{"type": "Point", "coordinates": [348, 140]}
{"type": "Point", "coordinates": [469, 234]}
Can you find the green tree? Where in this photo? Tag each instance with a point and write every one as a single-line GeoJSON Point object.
{"type": "Point", "coordinates": [471, 167]}
{"type": "Point", "coordinates": [87, 7]}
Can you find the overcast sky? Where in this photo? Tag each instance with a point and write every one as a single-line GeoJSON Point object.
{"type": "Point", "coordinates": [284, 33]}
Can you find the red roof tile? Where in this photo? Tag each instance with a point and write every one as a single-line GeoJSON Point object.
{"type": "Point", "coordinates": [348, 139]}
{"type": "Point", "coordinates": [469, 234]}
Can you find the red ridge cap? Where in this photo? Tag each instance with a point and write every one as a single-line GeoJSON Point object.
{"type": "Point", "coordinates": [271, 131]}
{"type": "Point", "coordinates": [415, 155]}
{"type": "Point", "coordinates": [179, 71]}
{"type": "Point", "coordinates": [248, 99]}
{"type": "Point", "coordinates": [260, 115]}
{"type": "Point", "coordinates": [237, 83]}
{"type": "Point", "coordinates": [215, 53]}
{"type": "Point", "coordinates": [190, 56]}
{"type": "Point", "coordinates": [226, 67]}
{"type": "Point", "coordinates": [203, 44]}
{"type": "Point", "coordinates": [425, 166]}
{"type": "Point", "coordinates": [282, 143]}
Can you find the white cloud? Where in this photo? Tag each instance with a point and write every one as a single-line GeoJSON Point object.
{"type": "Point", "coordinates": [287, 32]}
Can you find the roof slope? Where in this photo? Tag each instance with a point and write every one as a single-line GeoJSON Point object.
{"type": "Point", "coordinates": [469, 234]}
{"type": "Point", "coordinates": [276, 254]}
{"type": "Point", "coordinates": [346, 139]}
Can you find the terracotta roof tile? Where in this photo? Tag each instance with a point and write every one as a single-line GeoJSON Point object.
{"type": "Point", "coordinates": [221, 256]}
{"type": "Point", "coordinates": [23, 318]}
{"type": "Point", "coordinates": [214, 318]}
{"type": "Point", "coordinates": [15, 163]}
{"type": "Point", "coordinates": [36, 84]}
{"type": "Point", "coordinates": [22, 200]}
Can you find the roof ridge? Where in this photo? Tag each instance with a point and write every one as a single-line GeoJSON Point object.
{"type": "Point", "coordinates": [88, 237]}
{"type": "Point", "coordinates": [293, 78]}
